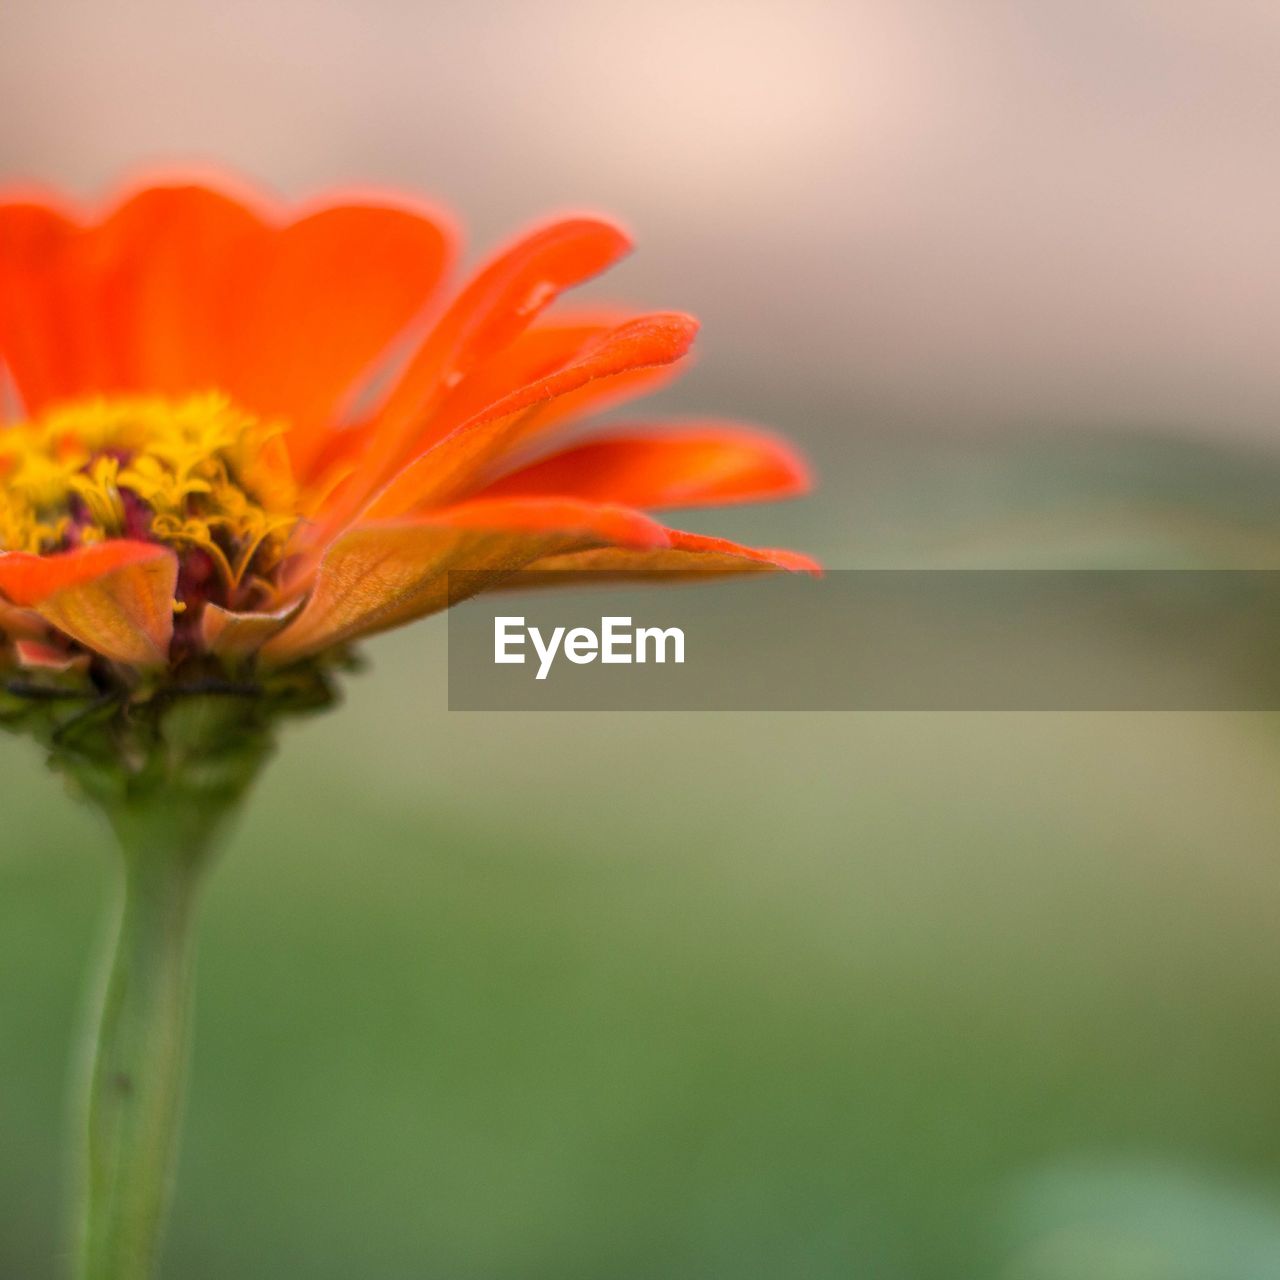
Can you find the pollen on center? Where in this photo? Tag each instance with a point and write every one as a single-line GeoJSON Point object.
{"type": "Point", "coordinates": [198, 474]}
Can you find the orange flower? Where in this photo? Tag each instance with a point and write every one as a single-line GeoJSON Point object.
{"type": "Point", "coordinates": [239, 438]}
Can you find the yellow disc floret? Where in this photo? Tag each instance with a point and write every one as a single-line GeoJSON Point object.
{"type": "Point", "coordinates": [197, 474]}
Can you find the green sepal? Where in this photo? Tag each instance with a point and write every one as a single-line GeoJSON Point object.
{"type": "Point", "coordinates": [176, 754]}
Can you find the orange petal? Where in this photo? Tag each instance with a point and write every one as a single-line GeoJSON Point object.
{"type": "Point", "coordinates": [170, 274]}
{"type": "Point", "coordinates": [115, 598]}
{"type": "Point", "coordinates": [146, 300]}
{"type": "Point", "coordinates": [336, 291]}
{"type": "Point", "coordinates": [693, 465]}
{"type": "Point", "coordinates": [39, 332]}
{"type": "Point", "coordinates": [385, 573]}
{"type": "Point", "coordinates": [460, 458]}
{"type": "Point", "coordinates": [182, 288]}
{"type": "Point", "coordinates": [596, 397]}
{"type": "Point", "coordinates": [539, 351]}
{"type": "Point", "coordinates": [234, 636]}
{"type": "Point", "coordinates": [688, 554]}
{"type": "Point", "coordinates": [495, 307]}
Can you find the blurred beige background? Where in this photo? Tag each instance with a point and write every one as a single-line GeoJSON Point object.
{"type": "Point", "coordinates": [919, 212]}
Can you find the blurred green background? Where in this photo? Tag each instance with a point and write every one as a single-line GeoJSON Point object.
{"type": "Point", "coordinates": [894, 995]}
{"type": "Point", "coordinates": [788, 997]}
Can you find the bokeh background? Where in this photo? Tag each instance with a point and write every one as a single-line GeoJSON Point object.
{"type": "Point", "coordinates": [627, 997]}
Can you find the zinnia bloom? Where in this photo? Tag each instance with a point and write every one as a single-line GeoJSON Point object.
{"type": "Point", "coordinates": [232, 443]}
{"type": "Point", "coordinates": [236, 437]}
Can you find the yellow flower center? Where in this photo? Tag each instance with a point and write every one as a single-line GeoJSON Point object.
{"type": "Point", "coordinates": [198, 474]}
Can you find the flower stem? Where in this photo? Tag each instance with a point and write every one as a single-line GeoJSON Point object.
{"type": "Point", "coordinates": [169, 767]}
{"type": "Point", "coordinates": [139, 1059]}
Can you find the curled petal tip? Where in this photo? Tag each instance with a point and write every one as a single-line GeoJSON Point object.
{"type": "Point", "coordinates": [35, 655]}
{"type": "Point", "coordinates": [795, 562]}
{"type": "Point", "coordinates": [115, 598]}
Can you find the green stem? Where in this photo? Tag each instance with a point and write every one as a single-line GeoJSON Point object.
{"type": "Point", "coordinates": [169, 769]}
{"type": "Point", "coordinates": [139, 1063]}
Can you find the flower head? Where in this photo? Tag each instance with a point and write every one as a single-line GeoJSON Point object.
{"type": "Point", "coordinates": [239, 438]}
